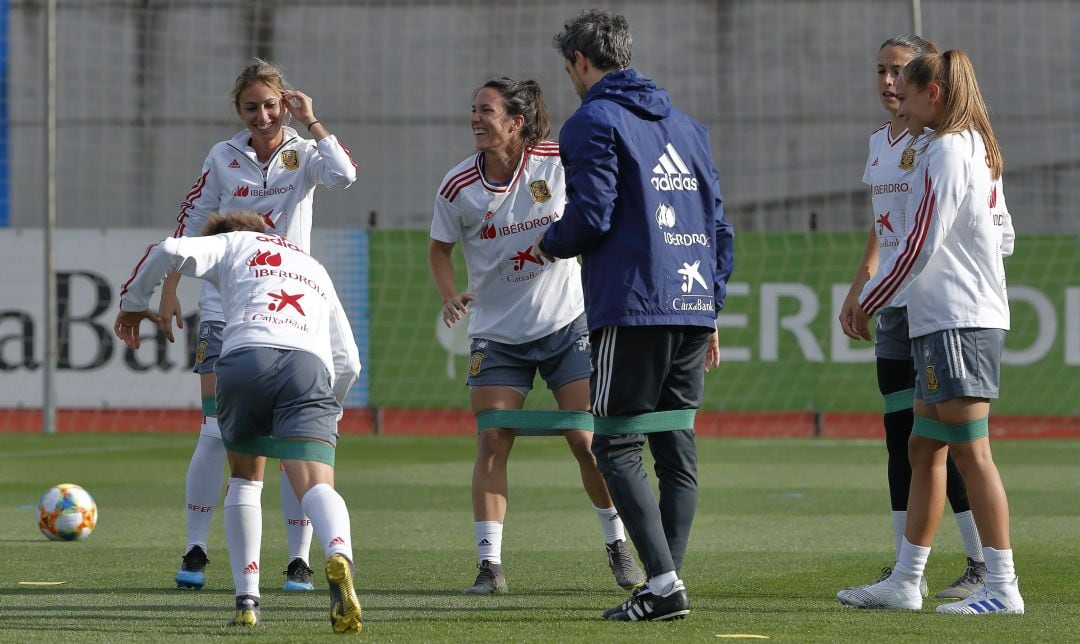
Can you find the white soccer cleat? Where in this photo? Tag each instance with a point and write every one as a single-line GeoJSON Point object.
{"type": "Point", "coordinates": [890, 594]}
{"type": "Point", "coordinates": [924, 590]}
{"type": "Point", "coordinates": [992, 599]}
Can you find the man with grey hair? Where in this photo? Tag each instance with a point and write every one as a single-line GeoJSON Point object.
{"type": "Point", "coordinates": [645, 214]}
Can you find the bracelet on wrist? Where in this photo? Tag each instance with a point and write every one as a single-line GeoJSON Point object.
{"type": "Point", "coordinates": [311, 124]}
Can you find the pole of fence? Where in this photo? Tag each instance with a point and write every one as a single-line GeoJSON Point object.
{"type": "Point", "coordinates": [48, 400]}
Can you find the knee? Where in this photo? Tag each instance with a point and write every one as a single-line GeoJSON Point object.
{"type": "Point", "coordinates": [580, 444]}
{"type": "Point", "coordinates": [971, 457]}
{"type": "Point", "coordinates": [494, 444]}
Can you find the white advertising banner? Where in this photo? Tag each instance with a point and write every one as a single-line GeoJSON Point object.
{"type": "Point", "coordinates": [95, 369]}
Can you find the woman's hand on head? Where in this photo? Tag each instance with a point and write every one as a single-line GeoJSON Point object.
{"type": "Point", "coordinates": [299, 105]}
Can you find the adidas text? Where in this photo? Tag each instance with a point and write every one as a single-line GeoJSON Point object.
{"type": "Point", "coordinates": [674, 182]}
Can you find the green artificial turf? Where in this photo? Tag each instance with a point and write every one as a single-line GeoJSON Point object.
{"type": "Point", "coordinates": [781, 526]}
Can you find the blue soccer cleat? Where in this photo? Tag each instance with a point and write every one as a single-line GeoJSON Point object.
{"type": "Point", "coordinates": [192, 575]}
{"type": "Point", "coordinates": [298, 576]}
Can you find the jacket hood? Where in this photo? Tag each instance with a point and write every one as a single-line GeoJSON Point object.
{"type": "Point", "coordinates": [633, 91]}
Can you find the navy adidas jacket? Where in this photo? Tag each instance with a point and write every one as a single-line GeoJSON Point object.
{"type": "Point", "coordinates": [643, 209]}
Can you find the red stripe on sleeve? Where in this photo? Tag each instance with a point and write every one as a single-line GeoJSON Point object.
{"type": "Point", "coordinates": [135, 271]}
{"type": "Point", "coordinates": [884, 291]}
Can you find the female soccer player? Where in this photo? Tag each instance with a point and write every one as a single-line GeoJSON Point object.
{"type": "Point", "coordinates": [890, 179]}
{"type": "Point", "coordinates": [951, 263]}
{"type": "Point", "coordinates": [527, 312]}
{"type": "Point", "coordinates": [283, 373]}
{"type": "Point", "coordinates": [270, 169]}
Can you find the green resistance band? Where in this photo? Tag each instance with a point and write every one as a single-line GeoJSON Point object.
{"type": "Point", "coordinates": [657, 421]}
{"type": "Point", "coordinates": [295, 450]}
{"type": "Point", "coordinates": [531, 422]}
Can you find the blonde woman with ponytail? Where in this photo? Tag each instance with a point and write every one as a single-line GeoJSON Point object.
{"type": "Point", "coordinates": [950, 267]}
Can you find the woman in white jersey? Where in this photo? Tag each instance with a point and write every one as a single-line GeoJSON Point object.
{"type": "Point", "coordinates": [951, 264]}
{"type": "Point", "coordinates": [526, 313]}
{"type": "Point", "coordinates": [890, 179]}
{"type": "Point", "coordinates": [270, 169]}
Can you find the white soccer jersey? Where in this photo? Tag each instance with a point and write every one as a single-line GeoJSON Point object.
{"type": "Point", "coordinates": [890, 184]}
{"type": "Point", "coordinates": [282, 190]}
{"type": "Point", "coordinates": [959, 232]}
{"type": "Point", "coordinates": [275, 295]}
{"type": "Point", "coordinates": [520, 296]}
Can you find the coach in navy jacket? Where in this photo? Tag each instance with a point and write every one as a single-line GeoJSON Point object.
{"type": "Point", "coordinates": [643, 202]}
{"type": "Point", "coordinates": [644, 212]}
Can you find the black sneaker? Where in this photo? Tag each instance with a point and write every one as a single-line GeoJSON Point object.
{"type": "Point", "coordinates": [627, 573]}
{"type": "Point", "coordinates": [489, 581]}
{"type": "Point", "coordinates": [247, 612]}
{"type": "Point", "coordinates": [298, 576]}
{"type": "Point", "coordinates": [970, 581]}
{"type": "Point", "coordinates": [192, 573]}
{"type": "Point", "coordinates": [644, 606]}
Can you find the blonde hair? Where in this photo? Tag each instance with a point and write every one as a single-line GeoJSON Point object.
{"type": "Point", "coordinates": [230, 222]}
{"type": "Point", "coordinates": [259, 71]}
{"type": "Point", "coordinates": [964, 107]}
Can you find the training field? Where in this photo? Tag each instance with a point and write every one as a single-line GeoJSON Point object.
{"type": "Point", "coordinates": [781, 526]}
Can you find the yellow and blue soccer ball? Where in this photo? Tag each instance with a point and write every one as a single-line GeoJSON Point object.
{"type": "Point", "coordinates": [66, 512]}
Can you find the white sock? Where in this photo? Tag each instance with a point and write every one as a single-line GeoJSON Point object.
{"type": "Point", "coordinates": [660, 583]}
{"type": "Point", "coordinates": [611, 524]}
{"type": "Point", "coordinates": [489, 541]}
{"type": "Point", "coordinates": [911, 563]}
{"type": "Point", "coordinates": [970, 535]}
{"type": "Point", "coordinates": [297, 524]}
{"type": "Point", "coordinates": [330, 518]}
{"type": "Point", "coordinates": [243, 532]}
{"type": "Point", "coordinates": [205, 474]}
{"type": "Point", "coordinates": [999, 566]}
{"type": "Point", "coordinates": [899, 524]}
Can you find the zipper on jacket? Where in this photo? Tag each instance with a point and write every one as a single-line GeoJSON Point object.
{"type": "Point", "coordinates": [269, 162]}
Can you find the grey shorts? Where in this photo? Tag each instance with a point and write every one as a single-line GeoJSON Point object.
{"type": "Point", "coordinates": [562, 357]}
{"type": "Point", "coordinates": [958, 363]}
{"type": "Point", "coordinates": [208, 350]}
{"type": "Point", "coordinates": [264, 391]}
{"type": "Point", "coordinates": [891, 340]}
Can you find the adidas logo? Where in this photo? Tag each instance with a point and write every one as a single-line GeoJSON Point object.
{"type": "Point", "coordinates": [672, 173]}
{"type": "Point", "coordinates": [241, 191]}
{"type": "Point", "coordinates": [251, 569]}
{"type": "Point", "coordinates": [336, 541]}
{"type": "Point", "coordinates": [234, 164]}
{"type": "Point", "coordinates": [484, 542]}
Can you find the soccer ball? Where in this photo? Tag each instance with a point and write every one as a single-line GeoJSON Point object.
{"type": "Point", "coordinates": [66, 512]}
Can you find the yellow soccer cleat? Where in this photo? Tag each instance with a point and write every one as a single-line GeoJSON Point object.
{"type": "Point", "coordinates": [247, 612]}
{"type": "Point", "coordinates": [344, 606]}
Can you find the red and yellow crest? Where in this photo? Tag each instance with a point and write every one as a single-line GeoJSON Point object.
{"type": "Point", "coordinates": [290, 159]}
{"type": "Point", "coordinates": [474, 363]}
{"type": "Point", "coordinates": [540, 192]}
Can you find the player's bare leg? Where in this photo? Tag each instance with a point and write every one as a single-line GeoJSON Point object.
{"type": "Point", "coordinates": [990, 507]}
{"type": "Point", "coordinates": [490, 489]}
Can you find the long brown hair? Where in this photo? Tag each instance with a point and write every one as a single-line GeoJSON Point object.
{"type": "Point", "coordinates": [964, 107]}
